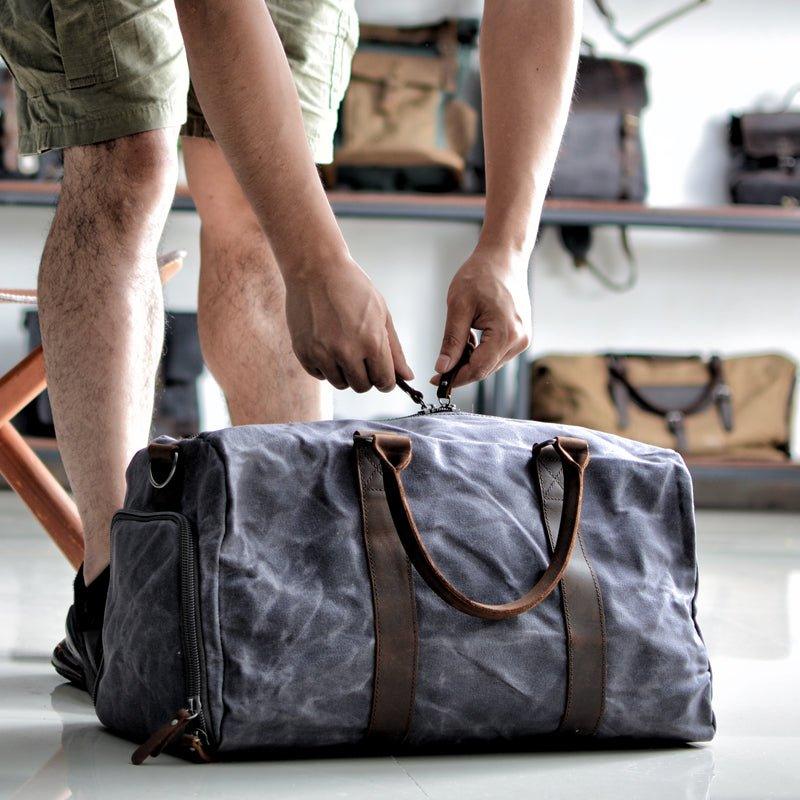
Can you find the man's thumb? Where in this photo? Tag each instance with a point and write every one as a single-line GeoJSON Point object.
{"type": "Point", "coordinates": [456, 333]}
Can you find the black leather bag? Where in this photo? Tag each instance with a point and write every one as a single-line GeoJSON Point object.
{"type": "Point", "coordinates": [601, 155]}
{"type": "Point", "coordinates": [766, 158]}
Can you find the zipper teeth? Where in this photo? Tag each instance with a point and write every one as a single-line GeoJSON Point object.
{"type": "Point", "coordinates": [188, 609]}
{"type": "Point", "coordinates": [189, 619]}
{"type": "Point", "coordinates": [457, 412]}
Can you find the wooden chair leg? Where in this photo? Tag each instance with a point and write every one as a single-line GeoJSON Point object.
{"type": "Point", "coordinates": [22, 384]}
{"type": "Point", "coordinates": [42, 493]}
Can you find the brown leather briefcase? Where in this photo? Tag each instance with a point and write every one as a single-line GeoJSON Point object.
{"type": "Point", "coordinates": [736, 408]}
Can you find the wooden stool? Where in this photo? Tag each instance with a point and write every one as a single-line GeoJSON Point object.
{"type": "Point", "coordinates": [19, 465]}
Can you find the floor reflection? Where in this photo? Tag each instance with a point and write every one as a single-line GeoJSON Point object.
{"type": "Point", "coordinates": [91, 763]}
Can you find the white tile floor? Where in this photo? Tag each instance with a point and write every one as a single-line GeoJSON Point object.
{"type": "Point", "coordinates": [51, 745]}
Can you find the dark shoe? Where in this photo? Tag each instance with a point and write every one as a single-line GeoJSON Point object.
{"type": "Point", "coordinates": [77, 658]}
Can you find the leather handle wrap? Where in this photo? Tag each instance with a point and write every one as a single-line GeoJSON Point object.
{"type": "Point", "coordinates": [394, 452]}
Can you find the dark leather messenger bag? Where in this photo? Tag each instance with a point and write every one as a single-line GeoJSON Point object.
{"type": "Point", "coordinates": [441, 579]}
{"type": "Point", "coordinates": [602, 155]}
{"type": "Point", "coordinates": [765, 151]}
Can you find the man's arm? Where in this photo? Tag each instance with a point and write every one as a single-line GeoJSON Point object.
{"type": "Point", "coordinates": [528, 58]}
{"type": "Point", "coordinates": [341, 329]}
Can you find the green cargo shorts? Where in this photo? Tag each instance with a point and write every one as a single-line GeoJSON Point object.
{"type": "Point", "coordinates": [92, 70]}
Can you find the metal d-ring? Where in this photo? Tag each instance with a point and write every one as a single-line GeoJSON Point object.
{"type": "Point", "coordinates": [160, 485]}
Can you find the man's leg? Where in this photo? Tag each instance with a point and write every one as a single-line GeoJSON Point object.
{"type": "Point", "coordinates": [102, 317]}
{"type": "Point", "coordinates": [241, 318]}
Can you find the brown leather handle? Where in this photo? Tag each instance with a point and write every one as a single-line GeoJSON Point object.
{"type": "Point", "coordinates": [394, 452]}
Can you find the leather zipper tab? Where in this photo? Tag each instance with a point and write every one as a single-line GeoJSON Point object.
{"type": "Point", "coordinates": [196, 749]}
{"type": "Point", "coordinates": [163, 737]}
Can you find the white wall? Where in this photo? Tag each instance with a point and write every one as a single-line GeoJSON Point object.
{"type": "Point", "coordinates": [697, 291]}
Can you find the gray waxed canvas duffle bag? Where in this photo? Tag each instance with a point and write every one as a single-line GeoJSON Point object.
{"type": "Point", "coordinates": [444, 579]}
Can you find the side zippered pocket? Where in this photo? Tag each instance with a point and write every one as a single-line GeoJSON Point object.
{"type": "Point", "coordinates": [190, 722]}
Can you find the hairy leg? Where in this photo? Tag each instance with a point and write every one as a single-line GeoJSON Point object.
{"type": "Point", "coordinates": [102, 317]}
{"type": "Point", "coordinates": [242, 319]}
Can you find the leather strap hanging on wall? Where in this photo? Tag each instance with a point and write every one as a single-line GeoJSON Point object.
{"type": "Point", "coordinates": [577, 241]}
{"type": "Point", "coordinates": [629, 40]}
{"type": "Point", "coordinates": [390, 529]}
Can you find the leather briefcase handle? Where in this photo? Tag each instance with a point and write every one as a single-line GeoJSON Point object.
{"type": "Point", "coordinates": [714, 386]}
{"type": "Point", "coordinates": [394, 452]}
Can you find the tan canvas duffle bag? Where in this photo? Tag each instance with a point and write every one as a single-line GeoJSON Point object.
{"type": "Point", "coordinates": [736, 408]}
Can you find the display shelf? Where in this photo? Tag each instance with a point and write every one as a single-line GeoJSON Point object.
{"type": "Point", "coordinates": [717, 484]}
{"type": "Point", "coordinates": [753, 485]}
{"type": "Point", "coordinates": [470, 208]}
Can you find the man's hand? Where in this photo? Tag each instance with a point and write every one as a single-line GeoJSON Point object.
{"type": "Point", "coordinates": [522, 125]}
{"type": "Point", "coordinates": [490, 293]}
{"type": "Point", "coordinates": [341, 329]}
{"type": "Point", "coordinates": [339, 324]}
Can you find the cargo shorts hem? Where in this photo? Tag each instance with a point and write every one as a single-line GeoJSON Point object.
{"type": "Point", "coordinates": [319, 133]}
{"type": "Point", "coordinates": [102, 128]}
{"type": "Point", "coordinates": [321, 144]}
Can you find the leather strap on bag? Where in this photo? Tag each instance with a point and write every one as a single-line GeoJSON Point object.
{"type": "Point", "coordinates": [394, 607]}
{"type": "Point", "coordinates": [560, 466]}
{"type": "Point", "coordinates": [394, 452]}
{"type": "Point", "coordinates": [582, 605]}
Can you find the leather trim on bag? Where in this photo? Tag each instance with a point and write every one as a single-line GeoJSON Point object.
{"type": "Point", "coordinates": [582, 605]}
{"type": "Point", "coordinates": [394, 606]}
{"type": "Point", "coordinates": [394, 451]}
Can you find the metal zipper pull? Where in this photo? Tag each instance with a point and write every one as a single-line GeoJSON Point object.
{"type": "Point", "coordinates": [167, 733]}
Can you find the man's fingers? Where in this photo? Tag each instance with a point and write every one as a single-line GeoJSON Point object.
{"type": "Point", "coordinates": [398, 357]}
{"type": "Point", "coordinates": [355, 372]}
{"type": "Point", "coordinates": [322, 366]}
{"type": "Point", "coordinates": [381, 369]}
{"type": "Point", "coordinates": [310, 363]}
{"type": "Point", "coordinates": [456, 333]}
{"type": "Point", "coordinates": [333, 374]}
{"type": "Point", "coordinates": [493, 352]}
{"type": "Point", "coordinates": [519, 346]}
{"type": "Point", "coordinates": [484, 360]}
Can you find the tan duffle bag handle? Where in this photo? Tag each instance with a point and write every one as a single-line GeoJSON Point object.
{"type": "Point", "coordinates": [394, 452]}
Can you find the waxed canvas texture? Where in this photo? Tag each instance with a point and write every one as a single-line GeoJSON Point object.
{"type": "Point", "coordinates": [286, 602]}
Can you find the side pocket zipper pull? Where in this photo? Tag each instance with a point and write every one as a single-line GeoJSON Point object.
{"type": "Point", "coordinates": [162, 738]}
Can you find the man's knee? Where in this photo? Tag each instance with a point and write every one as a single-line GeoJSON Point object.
{"type": "Point", "coordinates": [239, 275]}
{"type": "Point", "coordinates": [123, 176]}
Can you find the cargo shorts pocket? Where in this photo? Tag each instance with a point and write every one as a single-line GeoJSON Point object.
{"type": "Point", "coordinates": [81, 29]}
{"type": "Point", "coordinates": [345, 42]}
